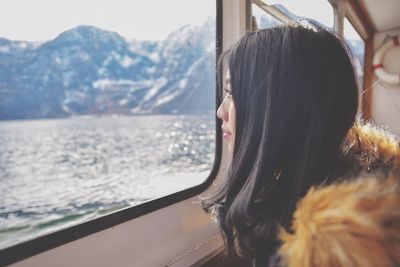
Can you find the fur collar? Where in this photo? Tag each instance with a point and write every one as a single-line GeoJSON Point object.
{"type": "Point", "coordinates": [355, 222]}
{"type": "Point", "coordinates": [371, 148]}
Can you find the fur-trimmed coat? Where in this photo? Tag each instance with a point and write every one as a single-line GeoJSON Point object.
{"type": "Point", "coordinates": [356, 222]}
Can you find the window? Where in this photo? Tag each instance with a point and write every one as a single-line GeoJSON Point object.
{"type": "Point", "coordinates": [263, 19]}
{"type": "Point", "coordinates": [321, 11]}
{"type": "Point", "coordinates": [103, 105]}
{"type": "Point", "coordinates": [357, 47]}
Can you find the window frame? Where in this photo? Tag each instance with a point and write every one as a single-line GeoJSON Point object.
{"type": "Point", "coordinates": [362, 85]}
{"type": "Point", "coordinates": [29, 248]}
{"type": "Point", "coordinates": [357, 14]}
{"type": "Point", "coordinates": [281, 15]}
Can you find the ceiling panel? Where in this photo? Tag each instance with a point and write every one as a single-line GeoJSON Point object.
{"type": "Point", "coordinates": [384, 13]}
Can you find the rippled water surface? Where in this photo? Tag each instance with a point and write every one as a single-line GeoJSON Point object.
{"type": "Point", "coordinates": [55, 173]}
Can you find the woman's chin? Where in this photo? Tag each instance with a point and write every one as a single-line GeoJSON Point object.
{"type": "Point", "coordinates": [230, 147]}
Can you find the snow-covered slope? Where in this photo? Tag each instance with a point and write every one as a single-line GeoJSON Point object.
{"type": "Point", "coordinates": [87, 70]}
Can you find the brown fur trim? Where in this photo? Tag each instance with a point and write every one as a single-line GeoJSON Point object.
{"type": "Point", "coordinates": [354, 223]}
{"type": "Point", "coordinates": [372, 148]}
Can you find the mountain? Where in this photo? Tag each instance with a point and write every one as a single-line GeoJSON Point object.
{"type": "Point", "coordinates": [88, 70]}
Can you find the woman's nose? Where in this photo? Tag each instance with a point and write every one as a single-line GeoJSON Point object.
{"type": "Point", "coordinates": [221, 114]}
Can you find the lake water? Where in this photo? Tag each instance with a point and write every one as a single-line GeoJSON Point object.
{"type": "Point", "coordinates": [55, 173]}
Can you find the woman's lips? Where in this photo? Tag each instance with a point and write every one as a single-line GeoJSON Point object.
{"type": "Point", "coordinates": [227, 135]}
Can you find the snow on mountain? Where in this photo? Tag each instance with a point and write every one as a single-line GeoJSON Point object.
{"type": "Point", "coordinates": [4, 49]}
{"type": "Point", "coordinates": [157, 85]}
{"type": "Point", "coordinates": [88, 70]}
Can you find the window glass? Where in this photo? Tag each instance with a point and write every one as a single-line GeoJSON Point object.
{"type": "Point", "coordinates": [321, 11]}
{"type": "Point", "coordinates": [357, 47]}
{"type": "Point", "coordinates": [262, 19]}
{"type": "Point", "coordinates": [103, 105]}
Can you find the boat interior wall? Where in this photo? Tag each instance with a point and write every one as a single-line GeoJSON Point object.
{"type": "Point", "coordinates": [385, 106]}
{"type": "Point", "coordinates": [384, 14]}
{"type": "Point", "coordinates": [235, 21]}
{"type": "Point", "coordinates": [235, 15]}
{"type": "Point", "coordinates": [178, 235]}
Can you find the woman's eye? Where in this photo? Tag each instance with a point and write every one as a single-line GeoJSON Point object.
{"type": "Point", "coordinates": [228, 93]}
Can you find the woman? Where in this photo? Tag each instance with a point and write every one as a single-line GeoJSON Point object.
{"type": "Point", "coordinates": [288, 116]}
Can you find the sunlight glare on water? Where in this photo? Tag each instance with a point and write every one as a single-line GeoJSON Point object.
{"type": "Point", "coordinates": [56, 173]}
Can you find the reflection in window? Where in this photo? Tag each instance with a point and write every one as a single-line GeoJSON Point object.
{"type": "Point", "coordinates": [357, 47]}
{"type": "Point", "coordinates": [262, 19]}
{"type": "Point", "coordinates": [320, 10]}
{"type": "Point", "coordinates": [97, 112]}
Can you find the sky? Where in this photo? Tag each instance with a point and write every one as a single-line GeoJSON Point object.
{"type": "Point", "coordinates": [41, 20]}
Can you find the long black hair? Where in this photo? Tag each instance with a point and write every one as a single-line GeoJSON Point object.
{"type": "Point", "coordinates": [295, 95]}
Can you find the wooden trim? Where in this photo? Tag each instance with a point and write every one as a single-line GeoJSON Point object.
{"type": "Point", "coordinates": [359, 8]}
{"type": "Point", "coordinates": [248, 16]}
{"type": "Point", "coordinates": [394, 28]}
{"type": "Point", "coordinates": [222, 260]}
{"type": "Point", "coordinates": [366, 96]}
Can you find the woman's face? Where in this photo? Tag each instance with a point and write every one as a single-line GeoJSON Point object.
{"type": "Point", "coordinates": [227, 113]}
